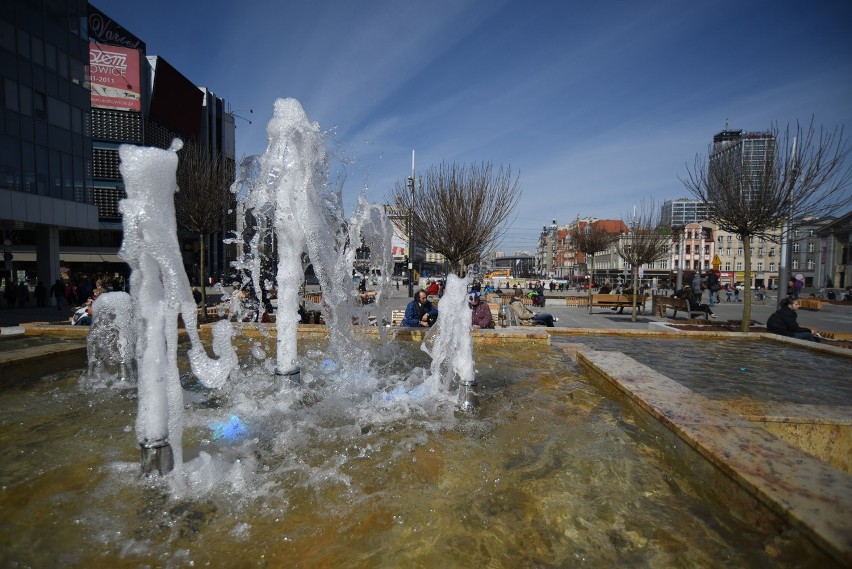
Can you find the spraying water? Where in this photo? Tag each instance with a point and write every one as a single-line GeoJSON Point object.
{"type": "Point", "coordinates": [287, 189]}
{"type": "Point", "coordinates": [161, 291]}
{"type": "Point", "coordinates": [111, 343]}
{"type": "Point", "coordinates": [450, 344]}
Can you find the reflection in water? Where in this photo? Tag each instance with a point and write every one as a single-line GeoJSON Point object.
{"type": "Point", "coordinates": [737, 368]}
{"type": "Point", "coordinates": [547, 473]}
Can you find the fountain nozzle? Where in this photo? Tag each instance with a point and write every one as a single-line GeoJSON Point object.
{"type": "Point", "coordinates": [157, 456]}
{"type": "Point", "coordinates": [294, 376]}
{"type": "Point", "coordinates": [468, 398]}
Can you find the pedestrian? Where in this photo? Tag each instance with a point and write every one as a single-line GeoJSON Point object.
{"type": "Point", "coordinates": [11, 292]}
{"type": "Point", "coordinates": [40, 293]}
{"type": "Point", "coordinates": [713, 285]}
{"type": "Point", "coordinates": [57, 291]}
{"type": "Point", "coordinates": [420, 312]}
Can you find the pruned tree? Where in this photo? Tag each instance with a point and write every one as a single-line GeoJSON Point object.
{"type": "Point", "coordinates": [458, 211]}
{"type": "Point", "coordinates": [203, 199]}
{"type": "Point", "coordinates": [645, 241]}
{"type": "Point", "coordinates": [591, 239]}
{"type": "Point", "coordinates": [803, 172]}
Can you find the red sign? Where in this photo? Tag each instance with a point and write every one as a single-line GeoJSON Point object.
{"type": "Point", "coordinates": [114, 76]}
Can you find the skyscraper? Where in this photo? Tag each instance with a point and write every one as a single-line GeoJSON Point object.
{"type": "Point", "coordinates": [680, 212]}
{"type": "Point", "coordinates": [747, 155]}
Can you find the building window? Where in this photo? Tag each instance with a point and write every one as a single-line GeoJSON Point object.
{"type": "Point", "coordinates": [760, 251]}
{"type": "Point", "coordinates": [810, 232]}
{"type": "Point", "coordinates": [810, 247]}
{"type": "Point", "coordinates": [795, 247]}
{"type": "Point", "coordinates": [739, 251]}
{"type": "Point", "coordinates": [794, 264]}
{"type": "Point", "coordinates": [729, 239]}
{"type": "Point", "coordinates": [720, 239]}
{"type": "Point", "coordinates": [727, 265]}
{"type": "Point", "coordinates": [810, 264]}
{"type": "Point", "coordinates": [729, 251]}
{"type": "Point", "coordinates": [739, 265]}
{"type": "Point", "coordinates": [771, 267]}
{"type": "Point", "coordinates": [760, 266]}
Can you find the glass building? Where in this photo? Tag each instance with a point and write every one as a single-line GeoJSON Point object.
{"type": "Point", "coordinates": [681, 212]}
{"type": "Point", "coordinates": [45, 144]}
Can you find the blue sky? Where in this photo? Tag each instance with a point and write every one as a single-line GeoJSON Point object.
{"type": "Point", "coordinates": [597, 105]}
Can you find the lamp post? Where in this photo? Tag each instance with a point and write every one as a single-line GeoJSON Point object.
{"type": "Point", "coordinates": [411, 231]}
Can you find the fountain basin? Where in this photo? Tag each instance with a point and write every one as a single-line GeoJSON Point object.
{"type": "Point", "coordinates": [549, 471]}
{"type": "Point", "coordinates": [760, 472]}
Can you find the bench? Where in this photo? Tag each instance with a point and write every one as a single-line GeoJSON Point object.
{"type": "Point", "coordinates": [618, 301]}
{"type": "Point", "coordinates": [664, 302]}
{"type": "Point", "coordinates": [397, 316]}
{"type": "Point", "coordinates": [810, 304]}
{"type": "Point", "coordinates": [495, 314]}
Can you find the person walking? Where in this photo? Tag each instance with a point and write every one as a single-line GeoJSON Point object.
{"type": "Point", "coordinates": [713, 285]}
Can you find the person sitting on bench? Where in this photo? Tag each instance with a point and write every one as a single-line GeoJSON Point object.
{"type": "Point", "coordinates": [694, 305]}
{"type": "Point", "coordinates": [526, 316]}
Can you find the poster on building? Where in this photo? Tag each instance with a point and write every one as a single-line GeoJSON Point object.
{"type": "Point", "coordinates": [114, 76]}
{"type": "Point", "coordinates": [400, 251]}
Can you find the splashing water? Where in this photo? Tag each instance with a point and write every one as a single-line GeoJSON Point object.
{"type": "Point", "coordinates": [449, 343]}
{"type": "Point", "coordinates": [287, 190]}
{"type": "Point", "coordinates": [161, 291]}
{"type": "Point", "coordinates": [111, 343]}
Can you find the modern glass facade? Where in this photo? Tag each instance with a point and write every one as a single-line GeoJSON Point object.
{"type": "Point", "coordinates": [678, 213]}
{"type": "Point", "coordinates": [45, 149]}
{"type": "Point", "coordinates": [749, 156]}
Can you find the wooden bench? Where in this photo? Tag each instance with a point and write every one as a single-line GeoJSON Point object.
{"type": "Point", "coordinates": [397, 316]}
{"type": "Point", "coordinates": [618, 301]}
{"type": "Point", "coordinates": [495, 314]}
{"type": "Point", "coordinates": [810, 304]}
{"type": "Point", "coordinates": [664, 302]}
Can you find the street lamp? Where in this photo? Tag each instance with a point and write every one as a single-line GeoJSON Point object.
{"type": "Point", "coordinates": [410, 185]}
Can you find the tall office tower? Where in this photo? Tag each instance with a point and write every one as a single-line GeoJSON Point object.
{"type": "Point", "coordinates": [683, 211]}
{"type": "Point", "coordinates": [746, 155]}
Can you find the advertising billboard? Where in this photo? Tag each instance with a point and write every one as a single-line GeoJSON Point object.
{"type": "Point", "coordinates": [114, 76]}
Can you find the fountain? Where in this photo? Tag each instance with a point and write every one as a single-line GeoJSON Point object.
{"type": "Point", "coordinates": [287, 189]}
{"type": "Point", "coordinates": [369, 462]}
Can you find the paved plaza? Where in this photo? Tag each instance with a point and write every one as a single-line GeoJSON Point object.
{"type": "Point", "coordinates": [831, 317]}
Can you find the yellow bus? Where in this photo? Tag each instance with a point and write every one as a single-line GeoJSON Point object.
{"type": "Point", "coordinates": [505, 273]}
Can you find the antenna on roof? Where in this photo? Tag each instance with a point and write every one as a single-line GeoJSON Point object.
{"type": "Point", "coordinates": [234, 114]}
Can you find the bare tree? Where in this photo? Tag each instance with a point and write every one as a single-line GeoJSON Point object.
{"type": "Point", "coordinates": [590, 240]}
{"type": "Point", "coordinates": [806, 173]}
{"type": "Point", "coordinates": [204, 198]}
{"type": "Point", "coordinates": [459, 211]}
{"type": "Point", "coordinates": [646, 241]}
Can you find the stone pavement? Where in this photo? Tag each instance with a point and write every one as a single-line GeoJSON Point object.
{"type": "Point", "coordinates": [832, 317]}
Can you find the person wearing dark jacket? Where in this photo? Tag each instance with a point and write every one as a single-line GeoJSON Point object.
{"type": "Point", "coordinates": [420, 312]}
{"type": "Point", "coordinates": [784, 321]}
{"type": "Point", "coordinates": [694, 304]}
{"type": "Point", "coordinates": [713, 285]}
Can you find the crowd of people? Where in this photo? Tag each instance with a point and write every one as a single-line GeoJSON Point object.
{"type": "Point", "coordinates": [76, 293]}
